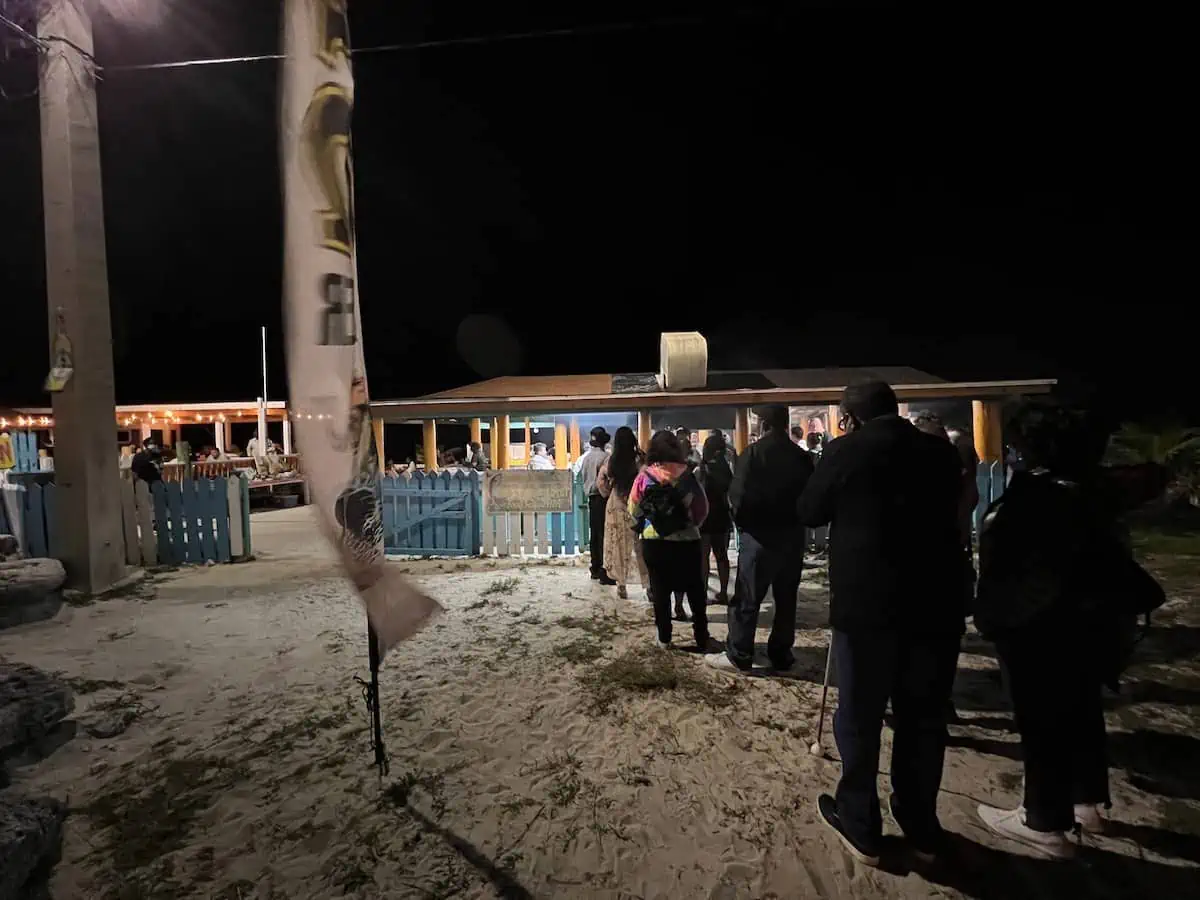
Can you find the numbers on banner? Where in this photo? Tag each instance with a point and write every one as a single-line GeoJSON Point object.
{"type": "Point", "coordinates": [337, 327]}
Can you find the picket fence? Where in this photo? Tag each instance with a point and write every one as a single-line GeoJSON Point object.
{"type": "Point", "coordinates": [25, 451]}
{"type": "Point", "coordinates": [442, 515]}
{"type": "Point", "coordinates": [196, 521]}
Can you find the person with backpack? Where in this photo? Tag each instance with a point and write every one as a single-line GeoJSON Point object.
{"type": "Point", "coordinates": [1059, 593]}
{"type": "Point", "coordinates": [715, 476]}
{"type": "Point", "coordinates": [770, 477]}
{"type": "Point", "coordinates": [668, 507]}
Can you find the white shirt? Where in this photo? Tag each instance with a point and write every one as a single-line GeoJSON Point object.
{"type": "Point", "coordinates": [541, 462]}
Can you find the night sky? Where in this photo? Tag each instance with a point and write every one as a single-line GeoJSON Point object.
{"type": "Point", "coordinates": [806, 189]}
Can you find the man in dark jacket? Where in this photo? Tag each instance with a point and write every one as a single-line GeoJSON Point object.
{"type": "Point", "coordinates": [769, 479]}
{"type": "Point", "coordinates": [891, 493]}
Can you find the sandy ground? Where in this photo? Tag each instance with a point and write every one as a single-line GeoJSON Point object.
{"type": "Point", "coordinates": [539, 748]}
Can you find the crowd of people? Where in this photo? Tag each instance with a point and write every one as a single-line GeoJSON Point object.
{"type": "Point", "coordinates": [1058, 590]}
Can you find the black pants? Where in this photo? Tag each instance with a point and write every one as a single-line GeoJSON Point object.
{"type": "Point", "coordinates": [777, 567]}
{"type": "Point", "coordinates": [916, 672]}
{"type": "Point", "coordinates": [675, 566]}
{"type": "Point", "coordinates": [1056, 695]}
{"type": "Point", "coordinates": [596, 507]}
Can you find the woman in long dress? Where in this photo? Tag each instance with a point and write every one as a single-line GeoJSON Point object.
{"type": "Point", "coordinates": [615, 480]}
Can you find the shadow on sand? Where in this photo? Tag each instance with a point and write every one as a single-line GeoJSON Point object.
{"type": "Point", "coordinates": [985, 873]}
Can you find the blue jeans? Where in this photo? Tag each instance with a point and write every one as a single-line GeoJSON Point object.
{"type": "Point", "coordinates": [777, 567]}
{"type": "Point", "coordinates": [915, 672]}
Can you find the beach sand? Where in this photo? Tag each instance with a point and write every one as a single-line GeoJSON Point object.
{"type": "Point", "coordinates": [540, 746]}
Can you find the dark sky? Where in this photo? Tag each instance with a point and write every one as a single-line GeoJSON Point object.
{"type": "Point", "coordinates": [807, 189]}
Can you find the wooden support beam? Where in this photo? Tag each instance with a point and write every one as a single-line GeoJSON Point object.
{"type": "Point", "coordinates": [741, 430]}
{"type": "Point", "coordinates": [503, 433]}
{"type": "Point", "coordinates": [576, 444]}
{"type": "Point", "coordinates": [377, 428]}
{"type": "Point", "coordinates": [528, 444]}
{"type": "Point", "coordinates": [560, 446]}
{"type": "Point", "coordinates": [985, 421]}
{"type": "Point", "coordinates": [429, 443]}
{"type": "Point", "coordinates": [701, 437]}
{"type": "Point", "coordinates": [476, 431]}
{"type": "Point", "coordinates": [644, 429]}
{"type": "Point", "coordinates": [834, 415]}
{"type": "Point", "coordinates": [494, 443]}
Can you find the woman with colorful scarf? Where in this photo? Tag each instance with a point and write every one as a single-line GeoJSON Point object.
{"type": "Point", "coordinates": [668, 507]}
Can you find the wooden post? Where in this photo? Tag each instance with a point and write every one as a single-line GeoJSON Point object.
{"type": "Point", "coordinates": [644, 429]}
{"type": "Point", "coordinates": [741, 430]}
{"type": "Point", "coordinates": [376, 426]}
{"type": "Point", "coordinates": [834, 415]}
{"type": "Point", "coordinates": [702, 436]}
{"type": "Point", "coordinates": [227, 427]}
{"type": "Point", "coordinates": [429, 427]}
{"type": "Point", "coordinates": [476, 431]}
{"type": "Point", "coordinates": [528, 447]}
{"type": "Point", "coordinates": [985, 420]}
{"type": "Point", "coordinates": [503, 432]}
{"type": "Point", "coordinates": [494, 443]}
{"type": "Point", "coordinates": [576, 447]}
{"type": "Point", "coordinates": [560, 446]}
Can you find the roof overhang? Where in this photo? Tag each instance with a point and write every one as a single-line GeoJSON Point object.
{"type": "Point", "coordinates": [468, 407]}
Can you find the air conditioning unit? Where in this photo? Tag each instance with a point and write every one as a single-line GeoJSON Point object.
{"type": "Point", "coordinates": [683, 361]}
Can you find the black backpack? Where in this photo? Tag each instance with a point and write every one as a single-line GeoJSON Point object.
{"type": "Point", "coordinates": [664, 507]}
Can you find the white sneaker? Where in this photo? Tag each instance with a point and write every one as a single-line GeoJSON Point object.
{"type": "Point", "coordinates": [1010, 823]}
{"type": "Point", "coordinates": [1089, 818]}
{"type": "Point", "coordinates": [722, 663]}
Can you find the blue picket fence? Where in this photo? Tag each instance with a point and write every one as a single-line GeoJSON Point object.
{"type": "Point", "coordinates": [189, 521]}
{"type": "Point", "coordinates": [25, 451]}
{"type": "Point", "coordinates": [442, 515]}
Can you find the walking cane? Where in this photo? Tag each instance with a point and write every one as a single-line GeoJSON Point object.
{"type": "Point", "coordinates": [815, 749]}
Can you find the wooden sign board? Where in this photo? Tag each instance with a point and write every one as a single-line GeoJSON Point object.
{"type": "Point", "coordinates": [527, 491]}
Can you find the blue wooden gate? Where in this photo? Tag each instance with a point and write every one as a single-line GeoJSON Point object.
{"type": "Point", "coordinates": [431, 515]}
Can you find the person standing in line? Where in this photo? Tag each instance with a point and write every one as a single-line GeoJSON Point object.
{"type": "Point", "coordinates": [818, 538]}
{"type": "Point", "coordinates": [891, 493]}
{"type": "Point", "coordinates": [771, 475]}
{"type": "Point", "coordinates": [588, 465]}
{"type": "Point", "coordinates": [798, 435]}
{"type": "Point", "coordinates": [668, 507]}
{"type": "Point", "coordinates": [147, 462]}
{"type": "Point", "coordinates": [615, 481]}
{"type": "Point", "coordinates": [1059, 593]}
{"type": "Point", "coordinates": [716, 476]}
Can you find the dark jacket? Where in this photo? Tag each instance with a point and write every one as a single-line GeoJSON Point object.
{"type": "Point", "coordinates": [890, 494]}
{"type": "Point", "coordinates": [145, 465]}
{"type": "Point", "coordinates": [769, 479]}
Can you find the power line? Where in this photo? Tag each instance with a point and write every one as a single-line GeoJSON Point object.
{"type": "Point", "coordinates": [474, 40]}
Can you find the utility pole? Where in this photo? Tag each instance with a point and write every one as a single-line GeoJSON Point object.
{"type": "Point", "coordinates": [88, 503]}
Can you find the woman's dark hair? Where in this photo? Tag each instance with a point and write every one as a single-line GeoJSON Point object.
{"type": "Point", "coordinates": [623, 463]}
{"type": "Point", "coordinates": [1063, 439]}
{"type": "Point", "coordinates": [869, 400]}
{"type": "Point", "coordinates": [665, 448]}
{"type": "Point", "coordinates": [714, 448]}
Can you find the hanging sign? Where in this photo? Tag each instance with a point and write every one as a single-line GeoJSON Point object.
{"type": "Point", "coordinates": [63, 365]}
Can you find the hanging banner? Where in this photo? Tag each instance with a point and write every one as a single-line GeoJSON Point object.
{"type": "Point", "coordinates": [326, 374]}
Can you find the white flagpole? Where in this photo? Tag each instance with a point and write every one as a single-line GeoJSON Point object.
{"type": "Point", "coordinates": [262, 401]}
